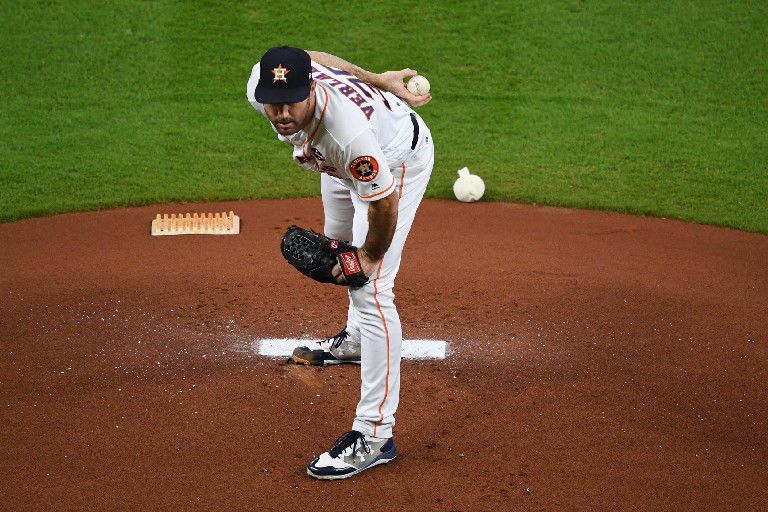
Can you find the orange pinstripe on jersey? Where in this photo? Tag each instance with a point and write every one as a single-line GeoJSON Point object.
{"type": "Point", "coordinates": [402, 180]}
{"type": "Point", "coordinates": [319, 122]}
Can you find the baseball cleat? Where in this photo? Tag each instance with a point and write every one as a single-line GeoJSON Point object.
{"type": "Point", "coordinates": [335, 350]}
{"type": "Point", "coordinates": [351, 454]}
{"type": "Point", "coordinates": [309, 357]}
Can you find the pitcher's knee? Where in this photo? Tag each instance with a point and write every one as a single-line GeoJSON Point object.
{"type": "Point", "coordinates": [363, 298]}
{"type": "Point", "coordinates": [371, 302]}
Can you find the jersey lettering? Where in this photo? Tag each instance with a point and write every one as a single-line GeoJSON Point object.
{"type": "Point", "coordinates": [368, 90]}
{"type": "Point", "coordinates": [304, 159]}
{"type": "Point", "coordinates": [318, 154]}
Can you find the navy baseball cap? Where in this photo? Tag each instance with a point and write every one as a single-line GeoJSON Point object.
{"type": "Point", "coordinates": [285, 76]}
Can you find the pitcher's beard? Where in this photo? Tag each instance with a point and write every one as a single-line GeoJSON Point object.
{"type": "Point", "coordinates": [286, 128]}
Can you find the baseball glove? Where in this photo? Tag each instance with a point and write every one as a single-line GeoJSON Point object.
{"type": "Point", "coordinates": [315, 255]}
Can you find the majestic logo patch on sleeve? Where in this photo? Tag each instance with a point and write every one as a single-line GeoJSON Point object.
{"type": "Point", "coordinates": [364, 168]}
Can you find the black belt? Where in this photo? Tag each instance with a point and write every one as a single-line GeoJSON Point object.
{"type": "Point", "coordinates": [415, 131]}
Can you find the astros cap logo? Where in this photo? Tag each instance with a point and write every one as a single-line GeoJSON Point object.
{"type": "Point", "coordinates": [280, 73]}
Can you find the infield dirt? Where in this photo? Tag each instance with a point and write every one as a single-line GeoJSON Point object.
{"type": "Point", "coordinates": [599, 362]}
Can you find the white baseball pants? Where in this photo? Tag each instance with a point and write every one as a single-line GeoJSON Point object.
{"type": "Point", "coordinates": [372, 315]}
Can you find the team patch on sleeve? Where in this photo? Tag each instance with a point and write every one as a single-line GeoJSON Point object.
{"type": "Point", "coordinates": [364, 168]}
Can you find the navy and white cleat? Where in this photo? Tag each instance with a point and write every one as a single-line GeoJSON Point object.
{"type": "Point", "coordinates": [352, 453]}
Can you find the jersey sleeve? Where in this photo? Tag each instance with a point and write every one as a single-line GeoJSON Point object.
{"type": "Point", "coordinates": [367, 167]}
{"type": "Point", "coordinates": [250, 90]}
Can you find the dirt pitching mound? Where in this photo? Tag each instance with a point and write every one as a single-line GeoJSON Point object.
{"type": "Point", "coordinates": [599, 362]}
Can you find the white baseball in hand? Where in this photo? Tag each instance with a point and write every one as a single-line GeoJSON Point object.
{"type": "Point", "coordinates": [418, 85]}
{"type": "Point", "coordinates": [469, 187]}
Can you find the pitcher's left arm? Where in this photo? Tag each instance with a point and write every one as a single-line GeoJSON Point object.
{"type": "Point", "coordinates": [392, 81]}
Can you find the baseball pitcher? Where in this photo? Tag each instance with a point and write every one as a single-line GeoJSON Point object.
{"type": "Point", "coordinates": [375, 157]}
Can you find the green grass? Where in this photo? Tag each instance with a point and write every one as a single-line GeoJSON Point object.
{"type": "Point", "coordinates": [646, 107]}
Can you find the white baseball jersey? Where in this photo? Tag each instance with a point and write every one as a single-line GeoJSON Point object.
{"type": "Point", "coordinates": [356, 133]}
